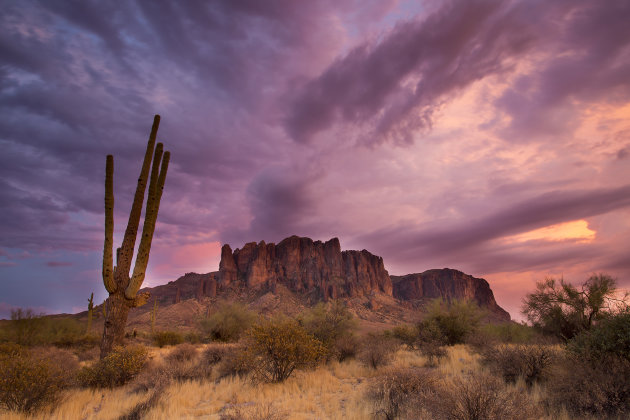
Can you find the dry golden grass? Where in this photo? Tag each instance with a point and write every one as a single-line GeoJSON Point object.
{"type": "Point", "coordinates": [334, 391]}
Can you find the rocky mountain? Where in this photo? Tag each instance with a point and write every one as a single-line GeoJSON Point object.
{"type": "Point", "coordinates": [447, 284]}
{"type": "Point", "coordinates": [319, 269]}
{"type": "Point", "coordinates": [313, 271]}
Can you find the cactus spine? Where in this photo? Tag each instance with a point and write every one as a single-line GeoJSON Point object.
{"type": "Point", "coordinates": [90, 312]}
{"type": "Point", "coordinates": [123, 289]}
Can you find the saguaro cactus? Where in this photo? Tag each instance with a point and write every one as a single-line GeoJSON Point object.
{"type": "Point", "coordinates": [123, 289]}
{"type": "Point", "coordinates": [90, 312]}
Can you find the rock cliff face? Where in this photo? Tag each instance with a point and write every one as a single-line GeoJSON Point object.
{"type": "Point", "coordinates": [321, 270]}
{"type": "Point", "coordinates": [305, 266]}
{"type": "Point", "coordinates": [447, 284]}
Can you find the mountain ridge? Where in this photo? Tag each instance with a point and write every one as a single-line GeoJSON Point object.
{"type": "Point", "coordinates": [317, 271]}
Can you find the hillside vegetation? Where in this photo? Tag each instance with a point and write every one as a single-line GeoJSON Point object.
{"type": "Point", "coordinates": [449, 365]}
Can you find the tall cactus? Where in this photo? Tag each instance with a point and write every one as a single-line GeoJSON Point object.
{"type": "Point", "coordinates": [90, 312]}
{"type": "Point", "coordinates": [123, 289]}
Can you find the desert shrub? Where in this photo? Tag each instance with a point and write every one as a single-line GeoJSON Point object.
{"type": "Point", "coordinates": [431, 341]}
{"type": "Point", "coordinates": [406, 334]}
{"type": "Point", "coordinates": [25, 327]}
{"type": "Point", "coordinates": [563, 310]}
{"type": "Point", "coordinates": [167, 338]}
{"type": "Point", "coordinates": [192, 338]}
{"type": "Point", "coordinates": [509, 332]}
{"type": "Point", "coordinates": [400, 390]}
{"type": "Point", "coordinates": [213, 354]}
{"type": "Point", "coordinates": [28, 383]}
{"type": "Point", "coordinates": [455, 321]}
{"type": "Point", "coordinates": [481, 396]}
{"type": "Point", "coordinates": [236, 362]}
{"type": "Point", "coordinates": [279, 346]}
{"type": "Point", "coordinates": [92, 353]}
{"type": "Point", "coordinates": [587, 388]}
{"type": "Point", "coordinates": [228, 322]}
{"type": "Point", "coordinates": [345, 348]}
{"type": "Point", "coordinates": [609, 337]}
{"type": "Point", "coordinates": [182, 353]}
{"type": "Point", "coordinates": [377, 350]}
{"type": "Point", "coordinates": [115, 369]}
{"type": "Point", "coordinates": [533, 363]}
{"type": "Point", "coordinates": [67, 332]}
{"type": "Point", "coordinates": [29, 329]}
{"type": "Point", "coordinates": [63, 359]}
{"type": "Point", "coordinates": [328, 322]}
{"type": "Point", "coordinates": [252, 411]}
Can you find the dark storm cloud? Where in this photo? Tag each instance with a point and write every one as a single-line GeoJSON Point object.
{"type": "Point", "coordinates": [386, 89]}
{"type": "Point", "coordinates": [543, 210]}
{"type": "Point", "coordinates": [588, 64]}
{"type": "Point", "coordinates": [400, 81]}
{"type": "Point", "coordinates": [280, 202]}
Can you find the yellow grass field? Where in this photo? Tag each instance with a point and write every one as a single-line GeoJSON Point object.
{"type": "Point", "coordinates": [333, 391]}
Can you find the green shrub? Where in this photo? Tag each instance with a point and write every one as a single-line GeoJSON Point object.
{"type": "Point", "coordinates": [509, 332]}
{"type": "Point", "coordinates": [455, 321]}
{"type": "Point", "coordinates": [279, 346]}
{"type": "Point", "coordinates": [431, 341]}
{"type": "Point", "coordinates": [117, 368]}
{"type": "Point", "coordinates": [328, 322]}
{"type": "Point", "coordinates": [29, 329]}
{"type": "Point", "coordinates": [167, 338]}
{"type": "Point", "coordinates": [406, 334]}
{"type": "Point", "coordinates": [228, 322]}
{"type": "Point", "coordinates": [29, 383]}
{"type": "Point", "coordinates": [609, 337]}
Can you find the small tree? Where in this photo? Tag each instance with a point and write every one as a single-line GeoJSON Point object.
{"type": "Point", "coordinates": [558, 308]}
{"type": "Point", "coordinates": [455, 321]}
{"type": "Point", "coordinates": [228, 322]}
{"type": "Point", "coordinates": [329, 323]}
{"type": "Point", "coordinates": [277, 347]}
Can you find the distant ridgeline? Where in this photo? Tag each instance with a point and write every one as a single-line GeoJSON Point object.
{"type": "Point", "coordinates": [321, 271]}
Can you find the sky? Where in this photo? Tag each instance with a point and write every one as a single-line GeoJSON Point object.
{"type": "Point", "coordinates": [483, 135]}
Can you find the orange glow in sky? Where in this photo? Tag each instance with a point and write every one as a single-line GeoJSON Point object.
{"type": "Point", "coordinates": [575, 230]}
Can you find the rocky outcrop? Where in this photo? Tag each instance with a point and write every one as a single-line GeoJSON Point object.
{"type": "Point", "coordinates": [447, 284]}
{"type": "Point", "coordinates": [305, 266]}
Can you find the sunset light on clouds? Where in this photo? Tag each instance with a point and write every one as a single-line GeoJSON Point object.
{"type": "Point", "coordinates": [492, 137]}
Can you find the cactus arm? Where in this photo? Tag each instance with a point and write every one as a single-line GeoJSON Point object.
{"type": "Point", "coordinates": [153, 205]}
{"type": "Point", "coordinates": [129, 240]}
{"type": "Point", "coordinates": [108, 271]}
{"type": "Point", "coordinates": [141, 299]}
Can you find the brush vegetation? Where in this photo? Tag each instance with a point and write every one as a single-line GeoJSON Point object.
{"type": "Point", "coordinates": [449, 365]}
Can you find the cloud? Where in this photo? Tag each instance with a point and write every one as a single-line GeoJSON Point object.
{"type": "Point", "coordinates": [521, 107]}
{"type": "Point", "coordinates": [54, 264]}
{"type": "Point", "coordinates": [456, 237]}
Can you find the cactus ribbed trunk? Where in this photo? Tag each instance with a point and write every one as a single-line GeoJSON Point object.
{"type": "Point", "coordinates": [123, 289]}
{"type": "Point", "coordinates": [115, 322]}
